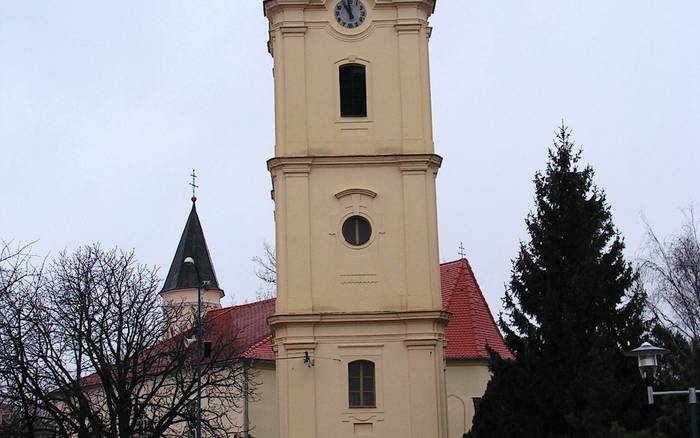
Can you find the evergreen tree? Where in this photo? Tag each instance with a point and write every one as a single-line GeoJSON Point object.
{"type": "Point", "coordinates": [570, 311]}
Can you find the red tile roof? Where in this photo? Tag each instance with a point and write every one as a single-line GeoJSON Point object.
{"type": "Point", "coordinates": [471, 328]}
{"type": "Point", "coordinates": [249, 323]}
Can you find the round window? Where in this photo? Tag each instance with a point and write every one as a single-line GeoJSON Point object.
{"type": "Point", "coordinates": [357, 230]}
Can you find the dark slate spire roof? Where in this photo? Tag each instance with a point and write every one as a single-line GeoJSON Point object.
{"type": "Point", "coordinates": [192, 244]}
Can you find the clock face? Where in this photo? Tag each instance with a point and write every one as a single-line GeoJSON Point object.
{"type": "Point", "coordinates": [350, 13]}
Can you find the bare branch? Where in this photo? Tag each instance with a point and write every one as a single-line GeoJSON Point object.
{"type": "Point", "coordinates": [266, 270]}
{"type": "Point", "coordinates": [670, 269]}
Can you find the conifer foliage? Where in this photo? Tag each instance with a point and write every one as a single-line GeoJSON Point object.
{"type": "Point", "coordinates": [570, 311]}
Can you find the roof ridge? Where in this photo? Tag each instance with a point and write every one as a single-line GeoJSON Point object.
{"type": "Point", "coordinates": [238, 306]}
{"type": "Point", "coordinates": [226, 310]}
{"type": "Point", "coordinates": [256, 344]}
{"type": "Point", "coordinates": [452, 262]}
{"type": "Point", "coordinates": [480, 297]}
{"type": "Point", "coordinates": [451, 288]}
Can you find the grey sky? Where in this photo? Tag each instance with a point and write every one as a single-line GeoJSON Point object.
{"type": "Point", "coordinates": [106, 107]}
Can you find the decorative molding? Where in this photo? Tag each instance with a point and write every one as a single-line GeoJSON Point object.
{"type": "Point", "coordinates": [405, 160]}
{"type": "Point", "coordinates": [408, 27]}
{"type": "Point", "coordinates": [361, 345]}
{"type": "Point", "coordinates": [300, 166]}
{"type": "Point", "coordinates": [440, 316]}
{"type": "Point", "coordinates": [356, 191]}
{"type": "Point", "coordinates": [299, 346]}
{"type": "Point", "coordinates": [420, 342]}
{"type": "Point", "coordinates": [293, 29]}
{"type": "Point", "coordinates": [345, 35]}
{"type": "Point", "coordinates": [362, 417]}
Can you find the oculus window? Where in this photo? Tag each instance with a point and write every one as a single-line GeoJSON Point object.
{"type": "Point", "coordinates": [361, 391]}
{"type": "Point", "coordinates": [357, 230]}
{"type": "Point", "coordinates": [353, 90]}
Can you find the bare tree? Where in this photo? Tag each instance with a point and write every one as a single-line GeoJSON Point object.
{"type": "Point", "coordinates": [18, 280]}
{"type": "Point", "coordinates": [670, 270]}
{"type": "Point", "coordinates": [83, 351]}
{"type": "Point", "coordinates": [266, 270]}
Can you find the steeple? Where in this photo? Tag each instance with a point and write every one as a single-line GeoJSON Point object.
{"type": "Point", "coordinates": [180, 289]}
{"type": "Point", "coordinates": [192, 244]}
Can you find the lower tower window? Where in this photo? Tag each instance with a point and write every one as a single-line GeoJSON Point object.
{"type": "Point", "coordinates": [361, 389]}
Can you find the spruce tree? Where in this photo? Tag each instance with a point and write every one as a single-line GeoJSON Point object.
{"type": "Point", "coordinates": [570, 311]}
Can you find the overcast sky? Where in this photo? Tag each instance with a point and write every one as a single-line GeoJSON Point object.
{"type": "Point", "coordinates": [106, 107]}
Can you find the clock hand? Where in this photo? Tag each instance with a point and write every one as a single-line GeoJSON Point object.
{"type": "Point", "coordinates": [346, 4]}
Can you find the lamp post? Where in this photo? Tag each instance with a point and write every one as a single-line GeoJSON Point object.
{"type": "Point", "coordinates": [648, 360]}
{"type": "Point", "coordinates": [198, 368]}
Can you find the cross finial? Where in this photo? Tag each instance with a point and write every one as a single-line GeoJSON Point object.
{"type": "Point", "coordinates": [462, 253]}
{"type": "Point", "coordinates": [194, 186]}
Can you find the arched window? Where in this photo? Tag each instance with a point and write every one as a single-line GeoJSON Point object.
{"type": "Point", "coordinates": [361, 392]}
{"type": "Point", "coordinates": [353, 90]}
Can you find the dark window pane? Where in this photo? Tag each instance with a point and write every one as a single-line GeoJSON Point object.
{"type": "Point", "coordinates": [357, 231]}
{"type": "Point", "coordinates": [364, 231]}
{"type": "Point", "coordinates": [361, 384]}
{"type": "Point", "coordinates": [353, 90]}
{"type": "Point", "coordinates": [355, 399]}
{"type": "Point", "coordinates": [354, 369]}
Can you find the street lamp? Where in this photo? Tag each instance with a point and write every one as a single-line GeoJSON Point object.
{"type": "Point", "coordinates": [647, 358]}
{"type": "Point", "coordinates": [198, 368]}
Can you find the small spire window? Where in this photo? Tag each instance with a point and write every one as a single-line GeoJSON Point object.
{"type": "Point", "coordinates": [353, 90]}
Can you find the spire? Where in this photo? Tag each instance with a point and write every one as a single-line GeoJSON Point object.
{"type": "Point", "coordinates": [192, 244]}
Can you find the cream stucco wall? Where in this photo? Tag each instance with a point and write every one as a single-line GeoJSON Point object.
{"type": "Point", "coordinates": [180, 307]}
{"type": "Point", "coordinates": [263, 412]}
{"type": "Point", "coordinates": [466, 380]}
{"type": "Point", "coordinates": [408, 358]}
{"type": "Point", "coordinates": [308, 46]}
{"type": "Point", "coordinates": [317, 271]}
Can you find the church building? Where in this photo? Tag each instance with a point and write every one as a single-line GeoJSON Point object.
{"type": "Point", "coordinates": [369, 335]}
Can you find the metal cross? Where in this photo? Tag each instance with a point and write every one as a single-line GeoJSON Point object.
{"type": "Point", "coordinates": [194, 185]}
{"type": "Point", "coordinates": [462, 253]}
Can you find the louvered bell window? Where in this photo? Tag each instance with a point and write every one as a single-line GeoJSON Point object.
{"type": "Point", "coordinates": [353, 90]}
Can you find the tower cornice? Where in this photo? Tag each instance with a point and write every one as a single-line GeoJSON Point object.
{"type": "Point", "coordinates": [356, 317]}
{"type": "Point", "coordinates": [412, 161]}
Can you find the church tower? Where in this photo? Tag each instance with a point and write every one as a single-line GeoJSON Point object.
{"type": "Point", "coordinates": [180, 288]}
{"type": "Point", "coordinates": [359, 325]}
